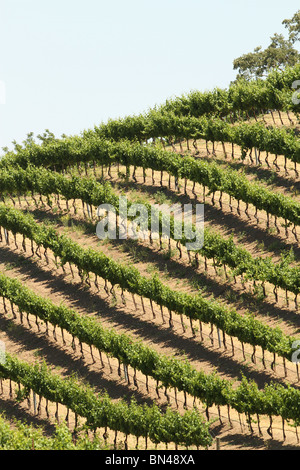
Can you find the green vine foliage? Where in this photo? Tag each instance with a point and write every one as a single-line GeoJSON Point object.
{"type": "Point", "coordinates": [25, 437]}
{"type": "Point", "coordinates": [101, 412]}
{"type": "Point", "coordinates": [72, 151]}
{"type": "Point", "coordinates": [32, 180]}
{"type": "Point", "coordinates": [246, 328]}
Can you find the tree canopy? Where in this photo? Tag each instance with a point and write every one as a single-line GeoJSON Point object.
{"type": "Point", "coordinates": [280, 53]}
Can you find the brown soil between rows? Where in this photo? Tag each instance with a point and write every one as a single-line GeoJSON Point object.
{"type": "Point", "coordinates": [279, 313]}
{"type": "Point", "coordinates": [178, 274]}
{"type": "Point", "coordinates": [212, 359]}
{"type": "Point", "coordinates": [52, 283]}
{"type": "Point", "coordinates": [24, 341]}
{"type": "Point", "coordinates": [30, 345]}
{"type": "Point", "coordinates": [221, 215]}
{"type": "Point", "coordinates": [274, 172]}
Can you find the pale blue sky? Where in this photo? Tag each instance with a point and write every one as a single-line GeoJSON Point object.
{"type": "Point", "coordinates": [70, 64]}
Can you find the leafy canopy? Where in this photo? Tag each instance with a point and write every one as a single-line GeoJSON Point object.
{"type": "Point", "coordinates": [279, 54]}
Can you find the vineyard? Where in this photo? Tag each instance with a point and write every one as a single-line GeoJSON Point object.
{"type": "Point", "coordinates": [144, 343]}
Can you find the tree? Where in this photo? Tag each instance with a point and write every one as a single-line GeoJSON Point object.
{"type": "Point", "coordinates": [278, 55]}
{"type": "Point", "coordinates": [293, 26]}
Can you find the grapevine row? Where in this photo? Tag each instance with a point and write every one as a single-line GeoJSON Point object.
{"type": "Point", "coordinates": [170, 372]}
{"type": "Point", "coordinates": [155, 125]}
{"type": "Point", "coordinates": [216, 247]}
{"type": "Point", "coordinates": [254, 97]}
{"type": "Point", "coordinates": [102, 412]}
{"type": "Point", "coordinates": [246, 328]}
{"type": "Point", "coordinates": [25, 437]}
{"type": "Point", "coordinates": [74, 151]}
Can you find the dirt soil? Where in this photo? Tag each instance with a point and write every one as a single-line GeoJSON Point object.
{"type": "Point", "coordinates": [30, 342]}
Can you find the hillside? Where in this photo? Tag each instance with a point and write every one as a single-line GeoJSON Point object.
{"type": "Point", "coordinates": [202, 342]}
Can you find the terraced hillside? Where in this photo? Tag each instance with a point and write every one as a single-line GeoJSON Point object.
{"type": "Point", "coordinates": [146, 343]}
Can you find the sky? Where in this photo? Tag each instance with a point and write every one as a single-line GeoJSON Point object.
{"type": "Point", "coordinates": [68, 65]}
